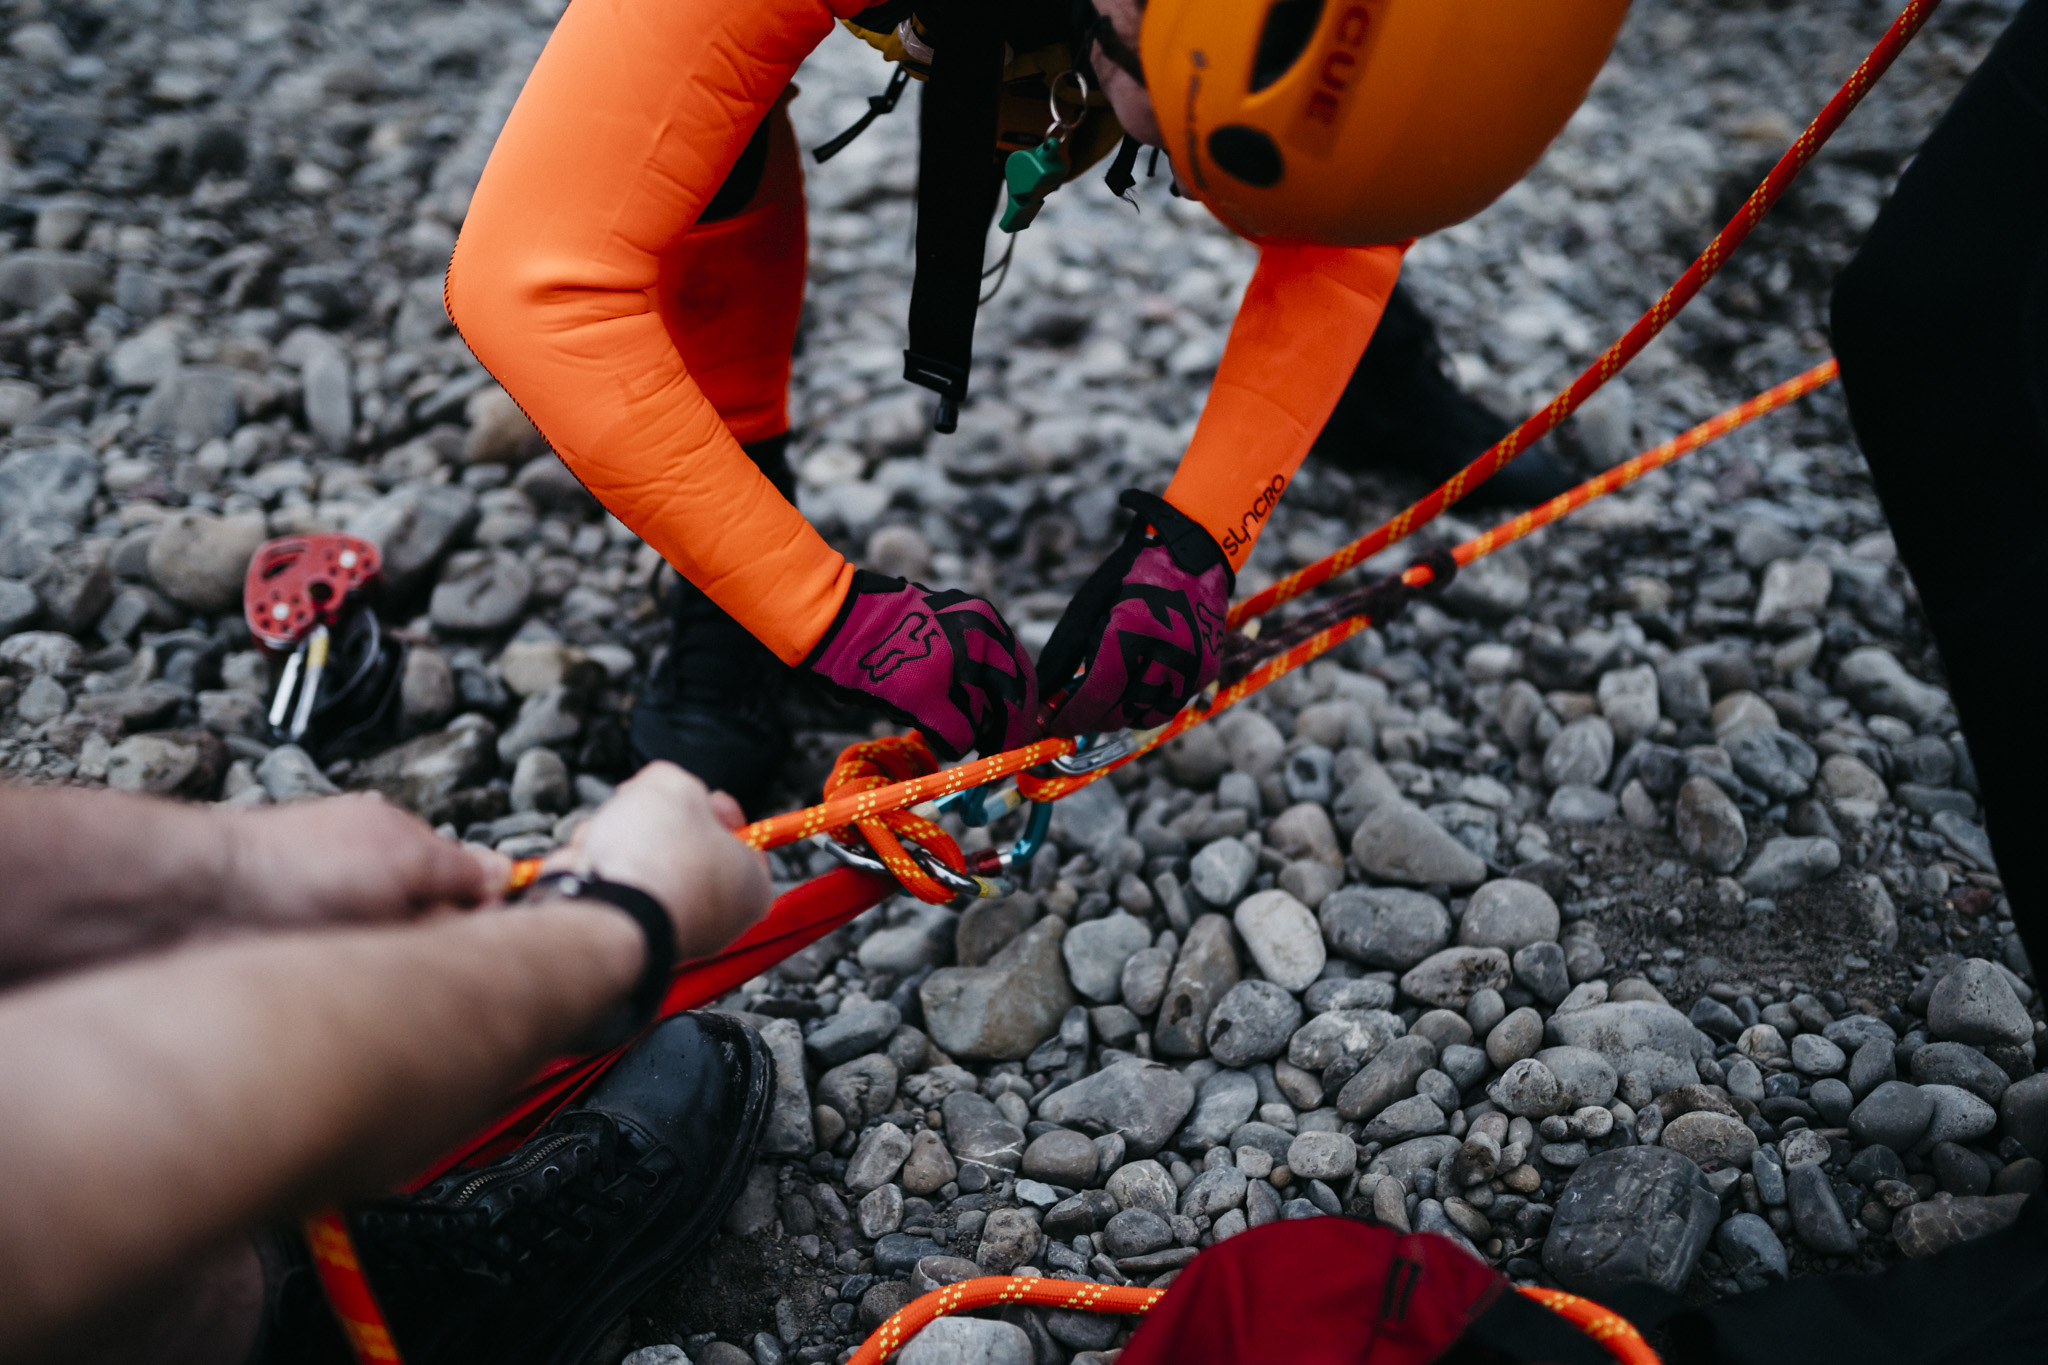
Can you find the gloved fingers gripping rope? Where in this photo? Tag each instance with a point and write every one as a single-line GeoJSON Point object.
{"type": "Point", "coordinates": [1146, 628]}
{"type": "Point", "coordinates": [943, 661]}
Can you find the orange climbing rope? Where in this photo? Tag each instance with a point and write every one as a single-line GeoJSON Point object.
{"type": "Point", "coordinates": [1628, 471]}
{"type": "Point", "coordinates": [998, 1291]}
{"type": "Point", "coordinates": [877, 763]}
{"type": "Point", "coordinates": [854, 804]}
{"type": "Point", "coordinates": [1614, 1332]}
{"type": "Point", "coordinates": [1599, 1322]}
{"type": "Point", "coordinates": [861, 795]}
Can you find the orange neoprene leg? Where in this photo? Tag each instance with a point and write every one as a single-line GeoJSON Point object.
{"type": "Point", "coordinates": [733, 291]}
{"type": "Point", "coordinates": [566, 285]}
{"type": "Point", "coordinates": [1306, 317]}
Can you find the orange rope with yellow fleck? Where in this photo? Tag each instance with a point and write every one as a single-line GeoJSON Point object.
{"type": "Point", "coordinates": [1601, 1323]}
{"type": "Point", "coordinates": [1611, 1330]}
{"type": "Point", "coordinates": [855, 804]}
{"type": "Point", "coordinates": [996, 1291]}
{"type": "Point", "coordinates": [878, 764]}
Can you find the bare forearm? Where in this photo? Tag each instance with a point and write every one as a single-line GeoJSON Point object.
{"type": "Point", "coordinates": [156, 1108]}
{"type": "Point", "coordinates": [97, 874]}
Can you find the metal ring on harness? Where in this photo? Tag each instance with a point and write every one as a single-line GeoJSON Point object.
{"type": "Point", "coordinates": [1061, 124]}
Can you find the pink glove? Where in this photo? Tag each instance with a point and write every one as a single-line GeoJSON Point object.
{"type": "Point", "coordinates": [1147, 627]}
{"type": "Point", "coordinates": [943, 661]}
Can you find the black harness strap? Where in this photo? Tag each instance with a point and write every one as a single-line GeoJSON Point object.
{"type": "Point", "coordinates": [1119, 177]}
{"type": "Point", "coordinates": [878, 105]}
{"type": "Point", "coordinates": [956, 187]}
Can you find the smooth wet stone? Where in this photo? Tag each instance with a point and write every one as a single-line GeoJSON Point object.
{"type": "Point", "coordinates": [1142, 1101]}
{"type": "Point", "coordinates": [1752, 1250]}
{"type": "Point", "coordinates": [1894, 1114]}
{"type": "Point", "coordinates": [1388, 1077]}
{"type": "Point", "coordinates": [1282, 937]}
{"type": "Point", "coordinates": [1634, 1215]}
{"type": "Point", "coordinates": [1975, 1004]}
{"type": "Point", "coordinates": [1448, 979]}
{"type": "Point", "coordinates": [1385, 927]}
{"type": "Point", "coordinates": [1253, 1023]}
{"type": "Point", "coordinates": [1202, 975]}
{"type": "Point", "coordinates": [1007, 1007]}
{"type": "Point", "coordinates": [1635, 1036]}
{"type": "Point", "coordinates": [1097, 951]}
{"type": "Point", "coordinates": [1397, 842]}
{"type": "Point", "coordinates": [1935, 1225]}
{"type": "Point", "coordinates": [1359, 1034]}
{"type": "Point", "coordinates": [1224, 1101]}
{"type": "Point", "coordinates": [1816, 1213]}
{"type": "Point", "coordinates": [1508, 913]}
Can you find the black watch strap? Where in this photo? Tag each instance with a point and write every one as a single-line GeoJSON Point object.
{"type": "Point", "coordinates": [645, 911]}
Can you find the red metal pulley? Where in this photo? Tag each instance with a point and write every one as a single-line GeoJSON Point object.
{"type": "Point", "coordinates": [296, 583]}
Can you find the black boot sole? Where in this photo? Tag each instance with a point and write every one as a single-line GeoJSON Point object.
{"type": "Point", "coordinates": [581, 1333]}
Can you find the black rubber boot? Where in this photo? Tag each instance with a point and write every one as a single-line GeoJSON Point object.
{"type": "Point", "coordinates": [1402, 411]}
{"type": "Point", "coordinates": [528, 1260]}
{"type": "Point", "coordinates": [712, 707]}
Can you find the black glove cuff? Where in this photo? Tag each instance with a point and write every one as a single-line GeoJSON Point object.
{"type": "Point", "coordinates": [1186, 539]}
{"type": "Point", "coordinates": [637, 1010]}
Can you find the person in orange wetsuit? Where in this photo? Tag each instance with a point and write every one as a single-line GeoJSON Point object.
{"type": "Point", "coordinates": [631, 270]}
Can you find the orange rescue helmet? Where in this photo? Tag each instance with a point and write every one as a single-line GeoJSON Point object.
{"type": "Point", "coordinates": [1357, 122]}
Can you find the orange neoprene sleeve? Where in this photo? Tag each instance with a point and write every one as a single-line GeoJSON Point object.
{"type": "Point", "coordinates": [1304, 322]}
{"type": "Point", "coordinates": [575, 284]}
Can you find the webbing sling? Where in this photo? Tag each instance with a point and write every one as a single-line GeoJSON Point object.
{"type": "Point", "coordinates": [956, 188]}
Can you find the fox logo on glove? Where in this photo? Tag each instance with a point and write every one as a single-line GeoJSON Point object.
{"type": "Point", "coordinates": [912, 639]}
{"type": "Point", "coordinates": [944, 661]}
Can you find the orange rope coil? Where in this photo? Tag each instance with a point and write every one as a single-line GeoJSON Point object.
{"type": "Point", "coordinates": [1614, 1332]}
{"type": "Point", "coordinates": [879, 764]}
{"type": "Point", "coordinates": [996, 1291]}
{"type": "Point", "coordinates": [859, 803]}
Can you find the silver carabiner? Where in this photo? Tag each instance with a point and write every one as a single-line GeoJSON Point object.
{"type": "Point", "coordinates": [1099, 754]}
{"type": "Point", "coordinates": [963, 885]}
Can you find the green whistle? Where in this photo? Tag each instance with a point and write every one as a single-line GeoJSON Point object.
{"type": "Point", "coordinates": [1031, 175]}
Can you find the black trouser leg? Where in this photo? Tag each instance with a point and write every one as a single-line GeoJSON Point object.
{"type": "Point", "coordinates": [1401, 410]}
{"type": "Point", "coordinates": [1939, 322]}
{"type": "Point", "coordinates": [712, 705]}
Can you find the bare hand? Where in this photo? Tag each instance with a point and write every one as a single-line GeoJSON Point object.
{"type": "Point", "coordinates": [663, 833]}
{"type": "Point", "coordinates": [346, 858]}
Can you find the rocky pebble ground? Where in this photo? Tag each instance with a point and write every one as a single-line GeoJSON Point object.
{"type": "Point", "coordinates": [1625, 915]}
